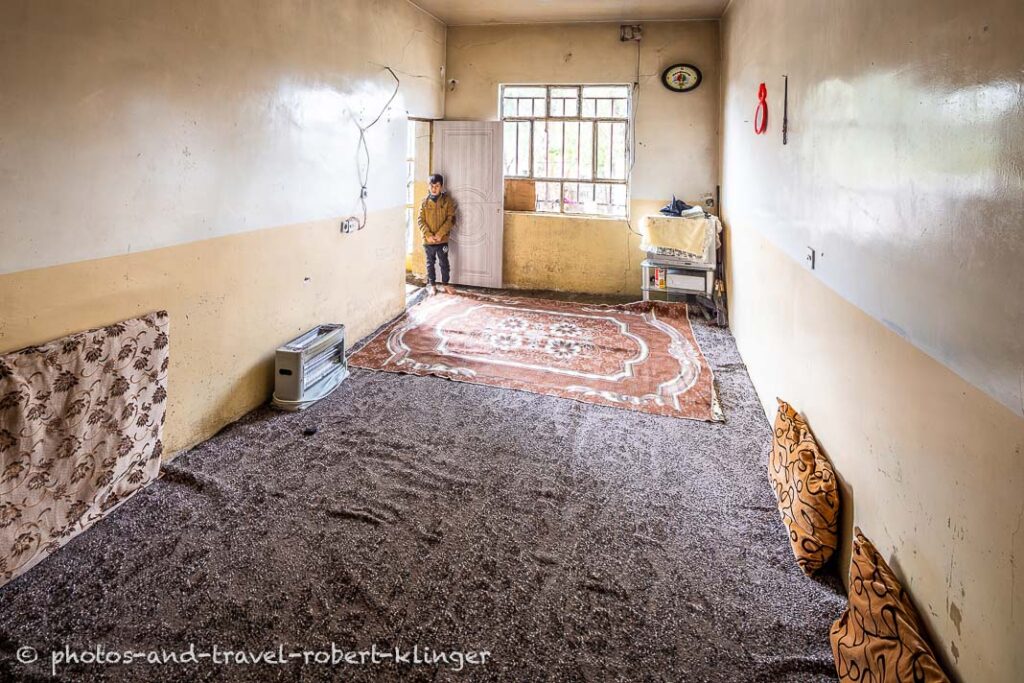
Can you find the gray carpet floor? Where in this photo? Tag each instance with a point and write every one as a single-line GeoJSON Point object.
{"type": "Point", "coordinates": [572, 542]}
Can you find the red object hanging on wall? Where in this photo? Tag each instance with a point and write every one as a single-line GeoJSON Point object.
{"type": "Point", "coordinates": [761, 113]}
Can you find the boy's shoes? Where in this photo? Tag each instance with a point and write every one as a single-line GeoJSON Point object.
{"type": "Point", "coordinates": [433, 288]}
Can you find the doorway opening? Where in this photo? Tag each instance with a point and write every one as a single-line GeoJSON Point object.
{"type": "Point", "coordinates": [417, 164]}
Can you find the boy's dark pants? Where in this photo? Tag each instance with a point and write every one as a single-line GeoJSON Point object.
{"type": "Point", "coordinates": [438, 252]}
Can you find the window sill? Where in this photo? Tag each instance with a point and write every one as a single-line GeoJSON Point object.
{"type": "Point", "coordinates": [569, 216]}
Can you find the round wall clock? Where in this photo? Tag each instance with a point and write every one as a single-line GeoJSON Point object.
{"type": "Point", "coordinates": [681, 77]}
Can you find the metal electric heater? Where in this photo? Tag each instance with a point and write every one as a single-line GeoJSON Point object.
{"type": "Point", "coordinates": [310, 367]}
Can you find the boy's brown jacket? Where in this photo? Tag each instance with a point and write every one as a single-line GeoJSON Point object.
{"type": "Point", "coordinates": [436, 218]}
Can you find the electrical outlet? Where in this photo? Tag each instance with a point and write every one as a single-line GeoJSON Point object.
{"type": "Point", "coordinates": [629, 32]}
{"type": "Point", "coordinates": [349, 225]}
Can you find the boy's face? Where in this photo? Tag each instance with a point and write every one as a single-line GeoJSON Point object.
{"type": "Point", "coordinates": [435, 188]}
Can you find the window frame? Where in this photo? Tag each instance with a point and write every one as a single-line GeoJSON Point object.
{"type": "Point", "coordinates": [579, 118]}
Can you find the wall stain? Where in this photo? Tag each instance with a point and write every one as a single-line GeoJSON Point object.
{"type": "Point", "coordinates": [955, 615]}
{"type": "Point", "coordinates": [1013, 560]}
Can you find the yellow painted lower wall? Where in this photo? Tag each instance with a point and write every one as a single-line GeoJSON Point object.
{"type": "Point", "coordinates": [232, 301]}
{"type": "Point", "coordinates": [932, 468]}
{"type": "Point", "coordinates": [570, 253]}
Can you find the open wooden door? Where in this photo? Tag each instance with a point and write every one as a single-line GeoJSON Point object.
{"type": "Point", "coordinates": [468, 155]}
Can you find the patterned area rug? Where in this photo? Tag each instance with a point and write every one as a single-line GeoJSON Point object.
{"type": "Point", "coordinates": [640, 356]}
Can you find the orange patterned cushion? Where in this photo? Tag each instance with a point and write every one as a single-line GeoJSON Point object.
{"type": "Point", "coordinates": [879, 638]}
{"type": "Point", "coordinates": [805, 487]}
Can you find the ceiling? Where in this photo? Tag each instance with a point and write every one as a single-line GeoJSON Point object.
{"type": "Point", "coordinates": [463, 12]}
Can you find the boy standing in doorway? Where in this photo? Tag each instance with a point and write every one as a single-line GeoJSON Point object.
{"type": "Point", "coordinates": [436, 220]}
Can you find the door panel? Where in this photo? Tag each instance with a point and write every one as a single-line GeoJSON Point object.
{"type": "Point", "coordinates": [468, 155]}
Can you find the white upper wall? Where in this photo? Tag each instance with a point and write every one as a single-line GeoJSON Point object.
{"type": "Point", "coordinates": [128, 125]}
{"type": "Point", "coordinates": [904, 168]}
{"type": "Point", "coordinates": [677, 133]}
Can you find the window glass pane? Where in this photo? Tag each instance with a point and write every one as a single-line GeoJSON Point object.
{"type": "Point", "coordinates": [524, 91]}
{"type": "Point", "coordinates": [619, 151]}
{"type": "Point", "coordinates": [547, 196]}
{"type": "Point", "coordinates": [603, 165]}
{"type": "Point", "coordinates": [570, 202]}
{"type": "Point", "coordinates": [604, 108]}
{"type": "Point", "coordinates": [563, 107]}
{"type": "Point", "coordinates": [564, 92]}
{"type": "Point", "coordinates": [538, 107]}
{"type": "Point", "coordinates": [511, 148]}
{"type": "Point", "coordinates": [525, 108]}
{"type": "Point", "coordinates": [581, 199]}
{"type": "Point", "coordinates": [524, 148]}
{"type": "Point", "coordinates": [555, 152]}
{"type": "Point", "coordinates": [571, 150]}
{"type": "Point", "coordinates": [619, 199]}
{"type": "Point", "coordinates": [540, 149]}
{"type": "Point", "coordinates": [607, 91]}
{"type": "Point", "coordinates": [589, 109]}
{"type": "Point", "coordinates": [586, 150]}
{"type": "Point", "coordinates": [619, 109]}
{"type": "Point", "coordinates": [586, 198]}
{"type": "Point", "coordinates": [608, 200]}
{"type": "Point", "coordinates": [508, 107]}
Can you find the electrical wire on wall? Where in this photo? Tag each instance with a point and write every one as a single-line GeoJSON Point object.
{"type": "Point", "coordinates": [353, 223]}
{"type": "Point", "coordinates": [635, 105]}
{"type": "Point", "coordinates": [632, 125]}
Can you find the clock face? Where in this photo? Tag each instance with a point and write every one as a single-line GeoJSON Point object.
{"type": "Point", "coordinates": [681, 77]}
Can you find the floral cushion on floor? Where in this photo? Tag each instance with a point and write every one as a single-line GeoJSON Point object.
{"type": "Point", "coordinates": [880, 637]}
{"type": "Point", "coordinates": [81, 420]}
{"type": "Point", "coordinates": [805, 486]}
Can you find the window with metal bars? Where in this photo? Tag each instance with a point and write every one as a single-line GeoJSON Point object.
{"type": "Point", "coordinates": [572, 141]}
